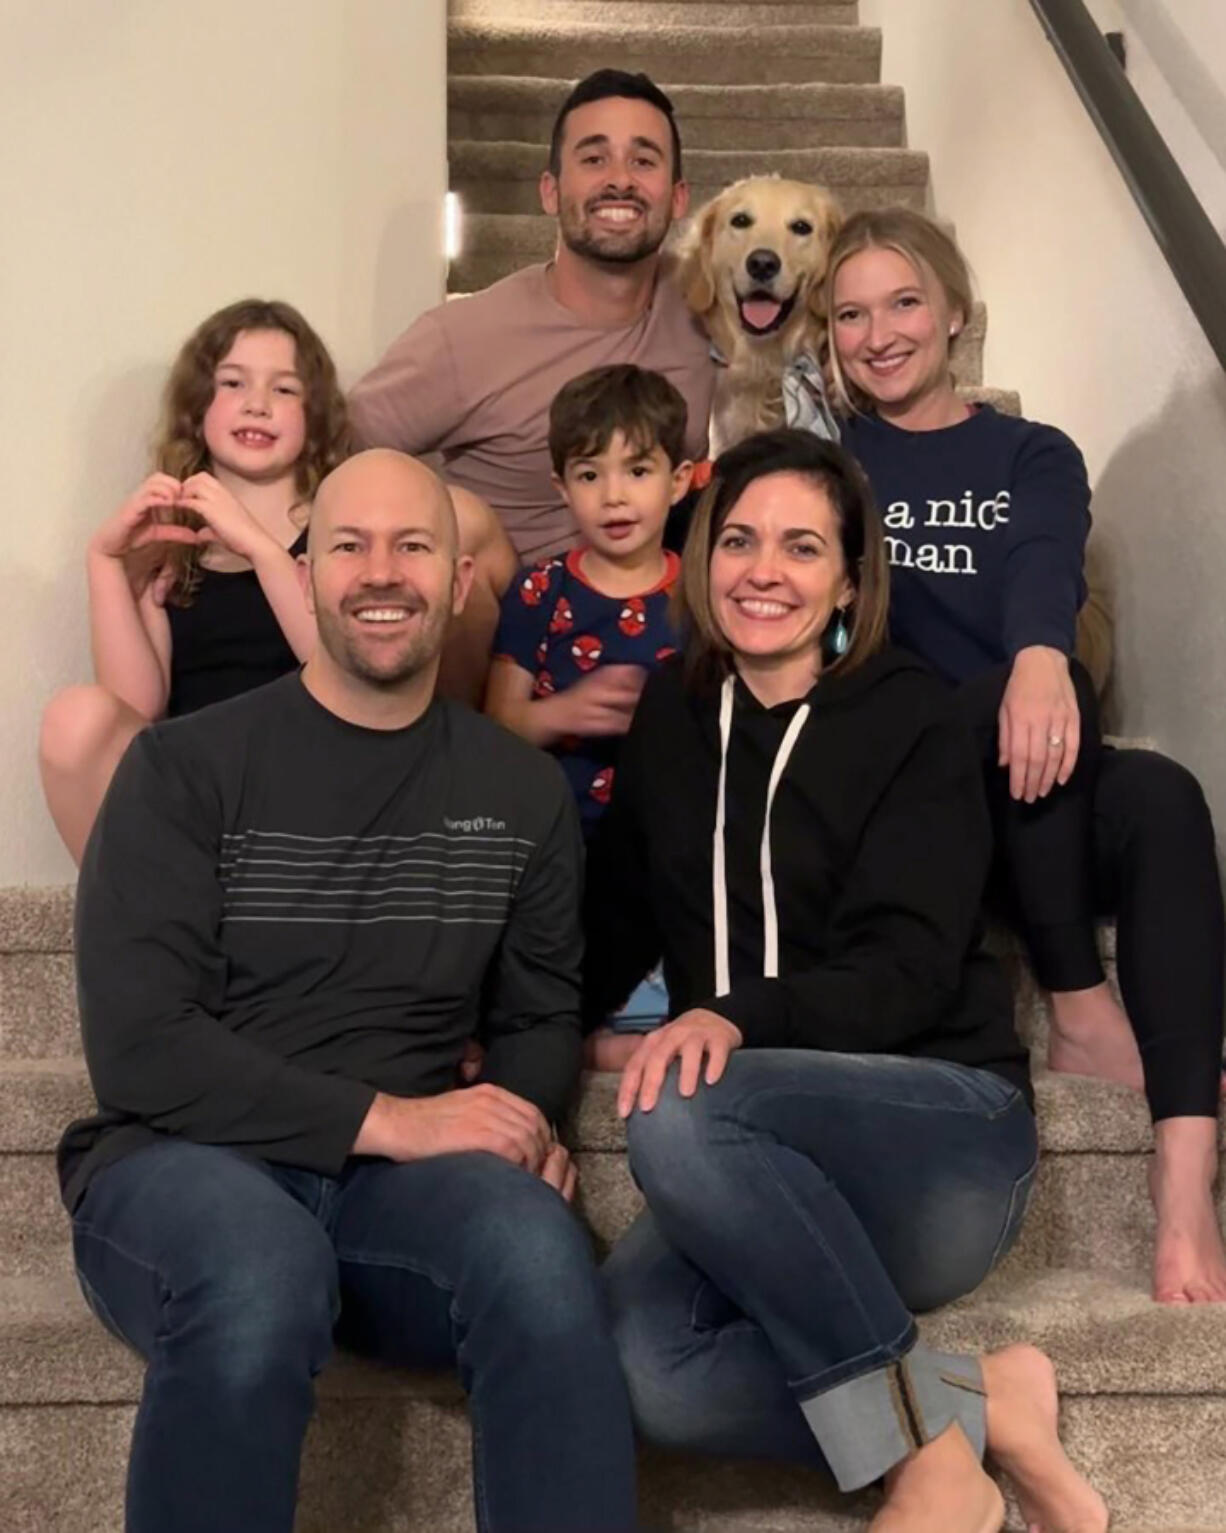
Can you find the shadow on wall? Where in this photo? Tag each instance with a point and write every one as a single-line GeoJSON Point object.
{"type": "Point", "coordinates": [1160, 506]}
{"type": "Point", "coordinates": [1184, 69]}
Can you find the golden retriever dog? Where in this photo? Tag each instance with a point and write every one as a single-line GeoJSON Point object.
{"type": "Point", "coordinates": [751, 268]}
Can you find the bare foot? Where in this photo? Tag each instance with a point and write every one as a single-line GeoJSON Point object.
{"type": "Point", "coordinates": [1090, 1035]}
{"type": "Point", "coordinates": [940, 1489]}
{"type": "Point", "coordinates": [1023, 1437]}
{"type": "Point", "coordinates": [1189, 1259]}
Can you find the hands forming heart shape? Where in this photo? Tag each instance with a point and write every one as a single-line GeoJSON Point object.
{"type": "Point", "coordinates": [190, 512]}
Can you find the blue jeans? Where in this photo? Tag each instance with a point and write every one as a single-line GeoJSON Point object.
{"type": "Point", "coordinates": [229, 1276]}
{"type": "Point", "coordinates": [799, 1211]}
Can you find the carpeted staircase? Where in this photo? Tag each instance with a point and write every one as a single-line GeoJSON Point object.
{"type": "Point", "coordinates": [765, 84]}
{"type": "Point", "coordinates": [1144, 1386]}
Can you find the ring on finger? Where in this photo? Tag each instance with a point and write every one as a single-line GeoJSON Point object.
{"type": "Point", "coordinates": [1054, 742]}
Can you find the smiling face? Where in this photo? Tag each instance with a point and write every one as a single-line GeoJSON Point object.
{"type": "Point", "coordinates": [382, 575]}
{"type": "Point", "coordinates": [614, 195]}
{"type": "Point", "coordinates": [621, 497]}
{"type": "Point", "coordinates": [891, 328]}
{"type": "Point", "coordinates": [255, 426]}
{"type": "Point", "coordinates": [756, 261]}
{"type": "Point", "coordinates": [777, 573]}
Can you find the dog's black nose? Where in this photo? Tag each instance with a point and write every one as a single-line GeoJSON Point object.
{"type": "Point", "coordinates": [762, 265]}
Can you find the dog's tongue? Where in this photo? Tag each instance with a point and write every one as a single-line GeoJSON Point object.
{"type": "Point", "coordinates": [760, 313]}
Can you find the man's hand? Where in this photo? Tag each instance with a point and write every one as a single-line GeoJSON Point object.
{"type": "Point", "coordinates": [476, 1118]}
{"type": "Point", "coordinates": [1040, 723]}
{"type": "Point", "coordinates": [471, 1061]}
{"type": "Point", "coordinates": [597, 705]}
{"type": "Point", "coordinates": [691, 1037]}
{"type": "Point", "coordinates": [559, 1171]}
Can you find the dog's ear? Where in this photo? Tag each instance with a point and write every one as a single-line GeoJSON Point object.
{"type": "Point", "coordinates": [829, 222]}
{"type": "Point", "coordinates": [832, 217]}
{"type": "Point", "coordinates": [695, 272]}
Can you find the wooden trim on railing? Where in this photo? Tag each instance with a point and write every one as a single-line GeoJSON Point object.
{"type": "Point", "coordinates": [1193, 249]}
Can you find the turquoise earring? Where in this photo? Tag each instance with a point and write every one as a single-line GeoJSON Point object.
{"type": "Point", "coordinates": [840, 638]}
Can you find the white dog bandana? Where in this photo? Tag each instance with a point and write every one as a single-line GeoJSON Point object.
{"type": "Point", "coordinates": [805, 404]}
{"type": "Point", "coordinates": [804, 399]}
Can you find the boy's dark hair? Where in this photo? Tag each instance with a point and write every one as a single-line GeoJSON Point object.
{"type": "Point", "coordinates": [642, 405]}
{"type": "Point", "coordinates": [602, 86]}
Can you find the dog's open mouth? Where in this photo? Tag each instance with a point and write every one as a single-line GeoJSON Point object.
{"type": "Point", "coordinates": [761, 314]}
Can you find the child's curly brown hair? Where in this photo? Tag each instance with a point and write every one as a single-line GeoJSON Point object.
{"type": "Point", "coordinates": [179, 447]}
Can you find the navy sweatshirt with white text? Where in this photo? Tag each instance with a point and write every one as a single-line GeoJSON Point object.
{"type": "Point", "coordinates": [986, 525]}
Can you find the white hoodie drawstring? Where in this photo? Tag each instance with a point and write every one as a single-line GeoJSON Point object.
{"type": "Point", "coordinates": [719, 880]}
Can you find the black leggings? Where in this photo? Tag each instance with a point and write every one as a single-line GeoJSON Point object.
{"type": "Point", "coordinates": [1128, 836]}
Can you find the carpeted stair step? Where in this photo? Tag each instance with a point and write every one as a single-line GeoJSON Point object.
{"type": "Point", "coordinates": [387, 1464]}
{"type": "Point", "coordinates": [503, 177]}
{"type": "Point", "coordinates": [389, 1452]}
{"type": "Point", "coordinates": [1090, 1208]}
{"type": "Point", "coordinates": [772, 117]}
{"type": "Point", "coordinates": [38, 1006]}
{"type": "Point", "coordinates": [648, 14]}
{"type": "Point", "coordinates": [1007, 401]}
{"type": "Point", "coordinates": [670, 54]}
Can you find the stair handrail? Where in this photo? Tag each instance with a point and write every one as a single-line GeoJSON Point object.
{"type": "Point", "coordinates": [1193, 249]}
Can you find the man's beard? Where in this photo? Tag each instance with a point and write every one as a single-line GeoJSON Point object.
{"type": "Point", "coordinates": [613, 247]}
{"type": "Point", "coordinates": [390, 666]}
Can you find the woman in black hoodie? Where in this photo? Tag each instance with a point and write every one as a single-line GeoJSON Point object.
{"type": "Point", "coordinates": [835, 1129]}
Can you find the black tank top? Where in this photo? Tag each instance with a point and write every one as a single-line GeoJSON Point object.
{"type": "Point", "coordinates": [228, 641]}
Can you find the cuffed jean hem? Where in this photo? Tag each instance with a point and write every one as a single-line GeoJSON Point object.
{"type": "Point", "coordinates": [868, 1424]}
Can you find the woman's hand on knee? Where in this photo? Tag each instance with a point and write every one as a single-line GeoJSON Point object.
{"type": "Point", "coordinates": [1040, 723]}
{"type": "Point", "coordinates": [692, 1037]}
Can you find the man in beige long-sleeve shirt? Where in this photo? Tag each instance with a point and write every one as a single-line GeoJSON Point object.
{"type": "Point", "coordinates": [473, 379]}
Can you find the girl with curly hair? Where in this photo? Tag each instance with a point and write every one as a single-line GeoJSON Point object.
{"type": "Point", "coordinates": [193, 597]}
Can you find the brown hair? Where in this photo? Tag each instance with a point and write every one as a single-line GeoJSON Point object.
{"type": "Point", "coordinates": [708, 656]}
{"type": "Point", "coordinates": [932, 253]}
{"type": "Point", "coordinates": [642, 405]}
{"type": "Point", "coordinates": [602, 86]}
{"type": "Point", "coordinates": [179, 447]}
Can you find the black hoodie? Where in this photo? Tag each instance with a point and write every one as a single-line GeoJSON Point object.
{"type": "Point", "coordinates": [878, 850]}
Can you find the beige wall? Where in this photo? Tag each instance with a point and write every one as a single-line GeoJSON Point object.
{"type": "Point", "coordinates": [1177, 64]}
{"type": "Point", "coordinates": [157, 161]}
{"type": "Point", "coordinates": [1086, 320]}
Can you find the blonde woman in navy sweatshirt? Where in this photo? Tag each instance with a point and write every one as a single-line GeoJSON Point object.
{"type": "Point", "coordinates": [835, 1130]}
{"type": "Point", "coordinates": [986, 517]}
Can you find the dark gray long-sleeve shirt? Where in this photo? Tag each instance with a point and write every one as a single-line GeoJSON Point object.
{"type": "Point", "coordinates": [280, 914]}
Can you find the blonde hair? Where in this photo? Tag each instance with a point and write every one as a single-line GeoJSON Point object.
{"type": "Point", "coordinates": [179, 447]}
{"type": "Point", "coordinates": [932, 253]}
{"type": "Point", "coordinates": [708, 655]}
